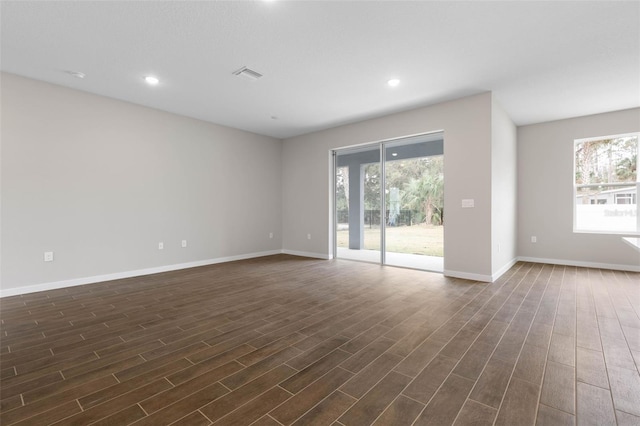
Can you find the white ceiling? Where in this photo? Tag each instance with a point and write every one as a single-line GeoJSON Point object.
{"type": "Point", "coordinates": [327, 63]}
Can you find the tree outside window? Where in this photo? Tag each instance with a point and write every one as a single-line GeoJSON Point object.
{"type": "Point", "coordinates": [606, 184]}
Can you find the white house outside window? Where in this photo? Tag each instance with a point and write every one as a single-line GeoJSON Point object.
{"type": "Point", "coordinates": [626, 198]}
{"type": "Point", "coordinates": [606, 185]}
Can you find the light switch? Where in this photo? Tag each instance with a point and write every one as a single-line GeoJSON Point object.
{"type": "Point", "coordinates": [468, 203]}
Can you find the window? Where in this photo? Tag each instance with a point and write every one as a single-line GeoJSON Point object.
{"type": "Point", "coordinates": [628, 198]}
{"type": "Point", "coordinates": [606, 185]}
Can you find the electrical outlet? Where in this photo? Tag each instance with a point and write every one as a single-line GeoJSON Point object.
{"type": "Point", "coordinates": [534, 239]}
{"type": "Point", "coordinates": [468, 203]}
{"type": "Point", "coordinates": [308, 236]}
{"type": "Point", "coordinates": [160, 246]}
{"type": "Point", "coordinates": [48, 256]}
{"type": "Point", "coordinates": [184, 243]}
{"type": "Point", "coordinates": [270, 234]}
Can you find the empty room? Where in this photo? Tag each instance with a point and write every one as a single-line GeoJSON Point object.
{"type": "Point", "coordinates": [319, 213]}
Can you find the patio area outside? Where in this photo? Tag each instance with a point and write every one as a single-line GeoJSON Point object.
{"type": "Point", "coordinates": [422, 239]}
{"type": "Point", "coordinates": [417, 246]}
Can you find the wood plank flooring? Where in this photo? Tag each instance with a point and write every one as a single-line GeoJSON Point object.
{"type": "Point", "coordinates": [285, 340]}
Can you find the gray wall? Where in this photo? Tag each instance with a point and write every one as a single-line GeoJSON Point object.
{"type": "Point", "coordinates": [545, 188]}
{"type": "Point", "coordinates": [467, 149]}
{"type": "Point", "coordinates": [100, 182]}
{"type": "Point", "coordinates": [504, 187]}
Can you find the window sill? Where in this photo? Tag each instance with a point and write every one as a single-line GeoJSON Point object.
{"type": "Point", "coordinates": [633, 242]}
{"type": "Point", "coordinates": [614, 233]}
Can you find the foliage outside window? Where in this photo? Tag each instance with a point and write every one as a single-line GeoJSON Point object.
{"type": "Point", "coordinates": [606, 185]}
{"type": "Point", "coordinates": [420, 184]}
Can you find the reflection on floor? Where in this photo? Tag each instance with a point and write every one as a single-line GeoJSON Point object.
{"type": "Point", "coordinates": [415, 261]}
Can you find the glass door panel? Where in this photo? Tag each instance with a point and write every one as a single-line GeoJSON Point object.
{"type": "Point", "coordinates": [414, 192]}
{"type": "Point", "coordinates": [357, 203]}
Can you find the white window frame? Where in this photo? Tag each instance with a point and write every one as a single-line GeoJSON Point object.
{"type": "Point", "coordinates": [615, 184]}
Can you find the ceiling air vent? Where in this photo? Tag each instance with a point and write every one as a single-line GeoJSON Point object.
{"type": "Point", "coordinates": [247, 73]}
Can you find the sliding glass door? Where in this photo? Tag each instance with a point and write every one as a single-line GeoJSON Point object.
{"type": "Point", "coordinates": [389, 202]}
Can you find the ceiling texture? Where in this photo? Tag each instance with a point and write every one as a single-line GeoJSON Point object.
{"type": "Point", "coordinates": [327, 63]}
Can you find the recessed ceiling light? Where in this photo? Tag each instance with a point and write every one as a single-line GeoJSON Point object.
{"type": "Point", "coordinates": [395, 154]}
{"type": "Point", "coordinates": [77, 74]}
{"type": "Point", "coordinates": [393, 82]}
{"type": "Point", "coordinates": [151, 80]}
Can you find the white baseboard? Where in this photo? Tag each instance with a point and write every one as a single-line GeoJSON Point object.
{"type": "Point", "coordinates": [504, 269]}
{"type": "Point", "coordinates": [449, 273]}
{"type": "Point", "coordinates": [128, 274]}
{"type": "Point", "coordinates": [468, 276]}
{"type": "Point", "coordinates": [564, 262]}
{"type": "Point", "coordinates": [308, 254]}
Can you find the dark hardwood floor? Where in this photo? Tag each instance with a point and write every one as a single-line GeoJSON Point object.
{"type": "Point", "coordinates": [284, 340]}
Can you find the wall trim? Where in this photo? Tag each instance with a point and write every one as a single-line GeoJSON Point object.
{"type": "Point", "coordinates": [148, 271]}
{"type": "Point", "coordinates": [468, 276]}
{"type": "Point", "coordinates": [129, 274]}
{"type": "Point", "coordinates": [504, 269]}
{"type": "Point", "coordinates": [307, 254]}
{"type": "Point", "coordinates": [564, 262]}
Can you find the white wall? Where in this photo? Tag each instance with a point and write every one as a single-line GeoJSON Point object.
{"type": "Point", "coordinates": [100, 182]}
{"type": "Point", "coordinates": [467, 151]}
{"type": "Point", "coordinates": [545, 187]}
{"type": "Point", "coordinates": [504, 190]}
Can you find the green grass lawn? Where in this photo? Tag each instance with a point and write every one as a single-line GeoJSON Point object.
{"type": "Point", "coordinates": [417, 239]}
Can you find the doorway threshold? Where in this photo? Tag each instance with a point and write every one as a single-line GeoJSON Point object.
{"type": "Point", "coordinates": [403, 260]}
